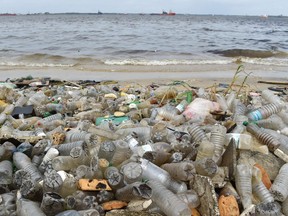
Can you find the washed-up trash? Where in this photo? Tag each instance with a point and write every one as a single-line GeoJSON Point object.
{"type": "Point", "coordinates": [88, 147]}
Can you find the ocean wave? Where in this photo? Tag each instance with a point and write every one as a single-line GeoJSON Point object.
{"type": "Point", "coordinates": [165, 62]}
{"type": "Point", "coordinates": [136, 51]}
{"type": "Point", "coordinates": [26, 64]}
{"type": "Point", "coordinates": [268, 62]}
{"type": "Point", "coordinates": [249, 53]}
{"type": "Point", "coordinates": [42, 56]}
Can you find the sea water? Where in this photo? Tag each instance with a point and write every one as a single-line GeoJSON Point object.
{"type": "Point", "coordinates": [91, 41]}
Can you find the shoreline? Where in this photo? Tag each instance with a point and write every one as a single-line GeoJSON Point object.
{"type": "Point", "coordinates": [197, 75]}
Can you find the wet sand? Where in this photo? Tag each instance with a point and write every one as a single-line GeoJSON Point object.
{"type": "Point", "coordinates": [196, 75]}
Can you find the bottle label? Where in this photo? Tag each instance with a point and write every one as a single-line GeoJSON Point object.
{"type": "Point", "coordinates": [256, 115]}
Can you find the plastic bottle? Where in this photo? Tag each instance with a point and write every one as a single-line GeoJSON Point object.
{"type": "Point", "coordinates": [132, 172]}
{"type": "Point", "coordinates": [205, 150]}
{"type": "Point", "coordinates": [265, 111]}
{"type": "Point", "coordinates": [153, 172]}
{"type": "Point", "coordinates": [69, 185]}
{"type": "Point", "coordinates": [264, 137]}
{"type": "Point", "coordinates": [114, 177]}
{"type": "Point", "coordinates": [273, 122]}
{"type": "Point", "coordinates": [6, 150]}
{"type": "Point", "coordinates": [183, 171]}
{"type": "Point", "coordinates": [8, 204]}
{"type": "Point", "coordinates": [106, 150]}
{"type": "Point", "coordinates": [122, 152]}
{"type": "Point", "coordinates": [6, 172]}
{"type": "Point", "coordinates": [31, 190]}
{"type": "Point", "coordinates": [217, 137]}
{"type": "Point", "coordinates": [22, 161]}
{"type": "Point", "coordinates": [26, 207]}
{"type": "Point", "coordinates": [268, 208]}
{"type": "Point", "coordinates": [156, 157]}
{"type": "Point", "coordinates": [285, 206]}
{"type": "Point", "coordinates": [258, 188]}
{"type": "Point", "coordinates": [206, 167]}
{"type": "Point", "coordinates": [65, 148]}
{"type": "Point", "coordinates": [243, 180]}
{"type": "Point", "coordinates": [3, 118]}
{"type": "Point", "coordinates": [191, 198]}
{"type": "Point", "coordinates": [168, 202]}
{"type": "Point", "coordinates": [197, 133]}
{"type": "Point", "coordinates": [52, 181]}
{"type": "Point", "coordinates": [52, 203]}
{"type": "Point", "coordinates": [51, 153]}
{"type": "Point", "coordinates": [279, 188]}
{"type": "Point", "coordinates": [220, 99]}
{"type": "Point", "coordinates": [136, 190]}
{"type": "Point", "coordinates": [37, 98]}
{"type": "Point", "coordinates": [269, 96]}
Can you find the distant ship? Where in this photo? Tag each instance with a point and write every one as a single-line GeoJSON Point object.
{"type": "Point", "coordinates": [99, 12]}
{"type": "Point", "coordinates": [165, 13]}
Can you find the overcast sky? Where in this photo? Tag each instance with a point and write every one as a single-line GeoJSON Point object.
{"type": "Point", "coordinates": [229, 7]}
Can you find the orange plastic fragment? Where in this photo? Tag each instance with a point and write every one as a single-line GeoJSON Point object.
{"type": "Point", "coordinates": [93, 185]}
{"type": "Point", "coordinates": [228, 206]}
{"type": "Point", "coordinates": [195, 212]}
{"type": "Point", "coordinates": [265, 177]}
{"type": "Point", "coordinates": [114, 204]}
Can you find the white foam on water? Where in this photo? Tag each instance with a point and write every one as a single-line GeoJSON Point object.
{"type": "Point", "coordinates": [165, 62]}
{"type": "Point", "coordinates": [24, 64]}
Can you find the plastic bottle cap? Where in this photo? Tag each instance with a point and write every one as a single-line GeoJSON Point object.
{"type": "Point", "coordinates": [245, 123]}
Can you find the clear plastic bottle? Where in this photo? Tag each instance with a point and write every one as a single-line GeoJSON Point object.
{"type": "Point", "coordinates": [27, 207]}
{"type": "Point", "coordinates": [114, 177]}
{"type": "Point", "coordinates": [191, 198]}
{"type": "Point", "coordinates": [268, 208]}
{"type": "Point", "coordinates": [206, 167]}
{"type": "Point", "coordinates": [265, 111]}
{"type": "Point", "coordinates": [6, 172]}
{"type": "Point", "coordinates": [285, 206]}
{"type": "Point", "coordinates": [197, 133]}
{"type": "Point", "coordinates": [205, 150]}
{"type": "Point", "coordinates": [243, 180]}
{"type": "Point", "coordinates": [220, 99]}
{"type": "Point", "coordinates": [273, 122]}
{"type": "Point", "coordinates": [107, 150]}
{"type": "Point", "coordinates": [156, 157]}
{"type": "Point", "coordinates": [65, 148]}
{"type": "Point", "coordinates": [51, 153]}
{"type": "Point", "coordinates": [52, 203]}
{"type": "Point", "coordinates": [122, 152]}
{"type": "Point", "coordinates": [136, 190]}
{"type": "Point", "coordinates": [258, 188]}
{"type": "Point", "coordinates": [217, 137]}
{"type": "Point", "coordinates": [132, 172]}
{"type": "Point", "coordinates": [153, 172]}
{"type": "Point", "coordinates": [31, 190]}
{"type": "Point", "coordinates": [8, 204]}
{"type": "Point", "coordinates": [168, 202]}
{"type": "Point", "coordinates": [22, 161]}
{"type": "Point", "coordinates": [69, 185]}
{"type": "Point", "coordinates": [3, 118]}
{"type": "Point", "coordinates": [52, 182]}
{"type": "Point", "coordinates": [264, 137]}
{"type": "Point", "coordinates": [183, 171]}
{"type": "Point", "coordinates": [279, 188]}
{"type": "Point", "coordinates": [269, 96]}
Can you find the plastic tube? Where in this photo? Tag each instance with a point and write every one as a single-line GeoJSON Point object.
{"type": "Point", "coordinates": [153, 172]}
{"type": "Point", "coordinates": [168, 202]}
{"type": "Point", "coordinates": [244, 184]}
{"type": "Point", "coordinates": [279, 188]}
